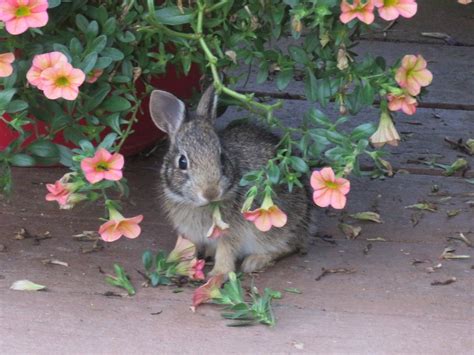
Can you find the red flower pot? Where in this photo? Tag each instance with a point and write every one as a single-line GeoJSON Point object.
{"type": "Point", "coordinates": [145, 132]}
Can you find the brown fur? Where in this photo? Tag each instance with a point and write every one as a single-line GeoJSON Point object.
{"type": "Point", "coordinates": [216, 162]}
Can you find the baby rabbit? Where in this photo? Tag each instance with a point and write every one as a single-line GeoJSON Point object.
{"type": "Point", "coordinates": [204, 166]}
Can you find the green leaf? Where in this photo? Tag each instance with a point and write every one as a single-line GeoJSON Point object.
{"type": "Point", "coordinates": [109, 26]}
{"type": "Point", "coordinates": [6, 96]}
{"type": "Point", "coordinates": [273, 173]}
{"type": "Point", "coordinates": [126, 37]}
{"type": "Point", "coordinates": [147, 259]}
{"type": "Point", "coordinates": [89, 62]}
{"type": "Point", "coordinates": [92, 30]}
{"type": "Point", "coordinates": [99, 44]}
{"type": "Point", "coordinates": [108, 141]}
{"type": "Point", "coordinates": [262, 73]}
{"type": "Point", "coordinates": [310, 86]}
{"type": "Point", "coordinates": [65, 155]}
{"type": "Point", "coordinates": [97, 97]}
{"type": "Point", "coordinates": [335, 137]}
{"type": "Point", "coordinates": [298, 54]}
{"type": "Point", "coordinates": [283, 78]}
{"type": "Point", "coordinates": [116, 104]}
{"type": "Point", "coordinates": [299, 164]}
{"type": "Point", "coordinates": [172, 16]}
{"type": "Point", "coordinates": [363, 131]}
{"type": "Point", "coordinates": [82, 23]}
{"type": "Point", "coordinates": [113, 53]}
{"type": "Point", "coordinates": [53, 3]}
{"type": "Point", "coordinates": [293, 290]}
{"type": "Point", "coordinates": [103, 62]}
{"type": "Point", "coordinates": [43, 149]}
{"type": "Point", "coordinates": [15, 106]}
{"type": "Point", "coordinates": [22, 160]}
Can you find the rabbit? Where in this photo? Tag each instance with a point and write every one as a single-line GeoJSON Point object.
{"type": "Point", "coordinates": [203, 166]}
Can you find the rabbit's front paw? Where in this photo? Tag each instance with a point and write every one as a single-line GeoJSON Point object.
{"type": "Point", "coordinates": [220, 271]}
{"type": "Point", "coordinates": [256, 262]}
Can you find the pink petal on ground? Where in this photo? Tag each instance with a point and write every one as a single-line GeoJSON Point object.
{"type": "Point", "coordinates": [109, 231]}
{"type": "Point", "coordinates": [130, 230]}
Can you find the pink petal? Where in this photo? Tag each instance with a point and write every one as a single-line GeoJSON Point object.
{"type": "Point", "coordinates": [344, 185]}
{"type": "Point", "coordinates": [366, 17]}
{"type": "Point", "coordinates": [16, 26]}
{"type": "Point", "coordinates": [130, 230]}
{"type": "Point", "coordinates": [112, 175]}
{"type": "Point", "coordinates": [70, 93]}
{"type": "Point", "coordinates": [346, 17]}
{"type": "Point", "coordinates": [394, 104]}
{"type": "Point", "coordinates": [108, 231]}
{"type": "Point", "coordinates": [263, 223]}
{"type": "Point", "coordinates": [252, 215]}
{"type": "Point", "coordinates": [408, 109]}
{"type": "Point", "coordinates": [407, 10]}
{"type": "Point", "coordinates": [388, 13]}
{"type": "Point", "coordinates": [88, 165]}
{"type": "Point", "coordinates": [7, 58]}
{"type": "Point", "coordinates": [338, 200]}
{"type": "Point", "coordinates": [5, 70]}
{"type": "Point", "coordinates": [424, 77]}
{"type": "Point", "coordinates": [420, 63]}
{"type": "Point", "coordinates": [94, 176]}
{"type": "Point", "coordinates": [116, 161]}
{"type": "Point", "coordinates": [328, 174]}
{"type": "Point", "coordinates": [409, 61]}
{"type": "Point", "coordinates": [102, 155]}
{"type": "Point", "coordinates": [51, 92]}
{"type": "Point", "coordinates": [278, 217]}
{"type": "Point", "coordinates": [77, 77]}
{"type": "Point", "coordinates": [317, 181]}
{"type": "Point", "coordinates": [322, 198]}
{"type": "Point", "coordinates": [37, 19]}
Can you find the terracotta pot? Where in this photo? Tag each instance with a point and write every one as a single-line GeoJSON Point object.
{"type": "Point", "coordinates": [146, 134]}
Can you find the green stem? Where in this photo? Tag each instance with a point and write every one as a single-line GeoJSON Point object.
{"type": "Point", "coordinates": [132, 120]}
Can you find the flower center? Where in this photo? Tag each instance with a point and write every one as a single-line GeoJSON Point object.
{"type": "Point", "coordinates": [22, 11]}
{"type": "Point", "coordinates": [102, 166]}
{"type": "Point", "coordinates": [388, 3]}
{"type": "Point", "coordinates": [332, 185]}
{"type": "Point", "coordinates": [62, 81]}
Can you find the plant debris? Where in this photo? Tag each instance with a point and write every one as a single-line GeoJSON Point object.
{"type": "Point", "coordinates": [26, 285]}
{"type": "Point", "coordinates": [448, 253]}
{"type": "Point", "coordinates": [297, 345]}
{"type": "Point", "coordinates": [120, 279]}
{"type": "Point", "coordinates": [467, 147]}
{"type": "Point", "coordinates": [453, 213]}
{"type": "Point", "coordinates": [111, 294]}
{"type": "Point", "coordinates": [351, 232]}
{"type": "Point", "coordinates": [367, 249]}
{"type": "Point", "coordinates": [24, 234]}
{"type": "Point", "coordinates": [378, 239]}
{"type": "Point", "coordinates": [459, 165]}
{"type": "Point", "coordinates": [416, 218]}
{"type": "Point", "coordinates": [444, 283]}
{"type": "Point", "coordinates": [325, 272]}
{"type": "Point", "coordinates": [417, 261]}
{"type": "Point", "coordinates": [98, 245]}
{"type": "Point", "coordinates": [367, 216]}
{"type": "Point", "coordinates": [425, 206]}
{"type": "Point", "coordinates": [431, 269]}
{"type": "Point", "coordinates": [54, 262]}
{"type": "Point", "coordinates": [462, 238]}
{"type": "Point", "coordinates": [156, 313]}
{"type": "Point", "coordinates": [293, 290]}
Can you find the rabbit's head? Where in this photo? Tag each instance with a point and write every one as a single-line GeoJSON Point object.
{"type": "Point", "coordinates": [196, 169]}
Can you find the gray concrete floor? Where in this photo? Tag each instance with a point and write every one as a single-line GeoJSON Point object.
{"type": "Point", "coordinates": [386, 306]}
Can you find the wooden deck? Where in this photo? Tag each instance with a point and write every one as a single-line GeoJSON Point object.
{"type": "Point", "coordinates": [387, 306]}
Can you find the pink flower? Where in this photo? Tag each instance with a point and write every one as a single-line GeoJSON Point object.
{"type": "Point", "coordinates": [184, 250]}
{"type": "Point", "coordinates": [118, 225]}
{"type": "Point", "coordinates": [42, 62]}
{"type": "Point", "coordinates": [103, 165]}
{"type": "Point", "coordinates": [219, 227]}
{"type": "Point", "coordinates": [390, 9]}
{"type": "Point", "coordinates": [62, 80]}
{"type": "Point", "coordinates": [210, 290]}
{"type": "Point", "coordinates": [364, 11]}
{"type": "Point", "coordinates": [412, 75]}
{"type": "Point", "coordinates": [191, 268]}
{"type": "Point", "coordinates": [266, 216]}
{"type": "Point", "coordinates": [19, 15]}
{"type": "Point", "coordinates": [93, 75]}
{"type": "Point", "coordinates": [404, 102]}
{"type": "Point", "coordinates": [6, 68]}
{"type": "Point", "coordinates": [386, 132]}
{"type": "Point", "coordinates": [58, 192]}
{"type": "Point", "coordinates": [329, 190]}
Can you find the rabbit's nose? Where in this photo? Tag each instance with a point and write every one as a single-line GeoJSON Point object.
{"type": "Point", "coordinates": [211, 193]}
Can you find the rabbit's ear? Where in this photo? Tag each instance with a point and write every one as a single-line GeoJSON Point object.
{"type": "Point", "coordinates": [167, 111]}
{"type": "Point", "coordinates": [208, 104]}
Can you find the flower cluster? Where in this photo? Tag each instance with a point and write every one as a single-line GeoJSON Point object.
{"type": "Point", "coordinates": [19, 15]}
{"type": "Point", "coordinates": [51, 73]}
{"type": "Point", "coordinates": [389, 10]}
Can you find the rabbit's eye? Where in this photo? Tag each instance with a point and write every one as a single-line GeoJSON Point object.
{"type": "Point", "coordinates": [182, 162]}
